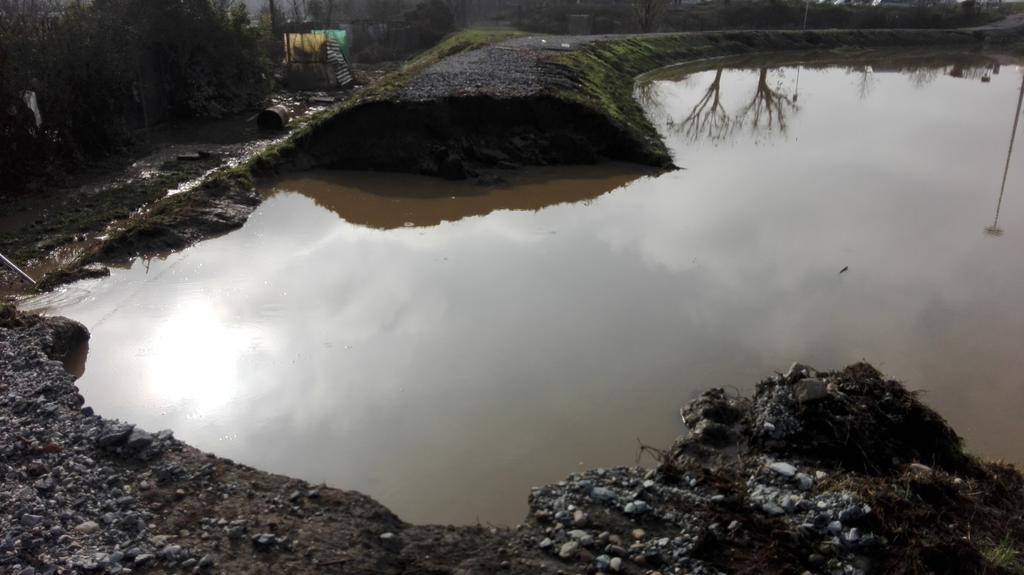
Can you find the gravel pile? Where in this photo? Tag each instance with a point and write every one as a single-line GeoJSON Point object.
{"type": "Point", "coordinates": [635, 520]}
{"type": "Point", "coordinates": [511, 69]}
{"type": "Point", "coordinates": [623, 519]}
{"type": "Point", "coordinates": [62, 508]}
{"type": "Point", "coordinates": [829, 523]}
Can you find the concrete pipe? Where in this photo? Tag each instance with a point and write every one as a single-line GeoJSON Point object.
{"type": "Point", "coordinates": [273, 118]}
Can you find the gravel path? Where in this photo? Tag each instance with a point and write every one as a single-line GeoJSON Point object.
{"type": "Point", "coordinates": [514, 68]}
{"type": "Point", "coordinates": [521, 67]}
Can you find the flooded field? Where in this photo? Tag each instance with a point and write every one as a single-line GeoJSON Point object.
{"type": "Point", "coordinates": [443, 347]}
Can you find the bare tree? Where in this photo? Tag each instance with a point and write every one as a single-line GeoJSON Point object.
{"type": "Point", "coordinates": [273, 16]}
{"type": "Point", "coordinates": [649, 13]}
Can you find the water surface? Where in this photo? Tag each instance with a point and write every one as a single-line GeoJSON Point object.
{"type": "Point", "coordinates": [442, 346]}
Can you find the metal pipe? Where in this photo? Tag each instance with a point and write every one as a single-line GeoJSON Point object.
{"type": "Point", "coordinates": [16, 269]}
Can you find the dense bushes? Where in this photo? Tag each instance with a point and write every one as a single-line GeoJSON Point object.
{"type": "Point", "coordinates": [104, 69]}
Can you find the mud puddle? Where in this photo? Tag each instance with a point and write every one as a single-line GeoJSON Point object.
{"type": "Point", "coordinates": [444, 347]}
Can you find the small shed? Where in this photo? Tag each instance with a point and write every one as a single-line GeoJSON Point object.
{"type": "Point", "coordinates": [317, 60]}
{"type": "Point", "coordinates": [338, 36]}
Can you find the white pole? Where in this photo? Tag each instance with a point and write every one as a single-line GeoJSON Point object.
{"type": "Point", "coordinates": [994, 228]}
{"type": "Point", "coordinates": [16, 269]}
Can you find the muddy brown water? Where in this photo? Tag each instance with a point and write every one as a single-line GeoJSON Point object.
{"type": "Point", "coordinates": [443, 347]}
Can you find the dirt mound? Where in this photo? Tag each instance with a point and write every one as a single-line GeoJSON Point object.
{"type": "Point", "coordinates": [854, 418]}
{"type": "Point", "coordinates": [222, 204]}
{"type": "Point", "coordinates": [65, 337]}
{"type": "Point", "coordinates": [842, 437]}
{"type": "Point", "coordinates": [451, 137]}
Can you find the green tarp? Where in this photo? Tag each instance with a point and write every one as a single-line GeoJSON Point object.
{"type": "Point", "coordinates": [339, 36]}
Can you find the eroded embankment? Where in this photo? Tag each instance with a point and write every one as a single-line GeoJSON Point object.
{"type": "Point", "coordinates": [452, 136]}
{"type": "Point", "coordinates": [538, 101]}
{"type": "Point", "coordinates": [820, 472]}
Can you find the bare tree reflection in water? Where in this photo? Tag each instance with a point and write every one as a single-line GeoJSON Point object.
{"type": "Point", "coordinates": [923, 75]}
{"type": "Point", "coordinates": [865, 81]}
{"type": "Point", "coordinates": [768, 107]}
{"type": "Point", "coordinates": [796, 91]}
{"type": "Point", "coordinates": [769, 110]}
{"type": "Point", "coordinates": [994, 229]}
{"type": "Point", "coordinates": [708, 117]}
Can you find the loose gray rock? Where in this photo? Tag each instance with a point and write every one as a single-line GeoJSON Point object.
{"type": "Point", "coordinates": [782, 468]}
{"type": "Point", "coordinates": [29, 520]}
{"type": "Point", "coordinates": [87, 527]}
{"type": "Point", "coordinates": [114, 435]}
{"type": "Point", "coordinates": [390, 541]}
{"type": "Point", "coordinates": [138, 439]}
{"type": "Point", "coordinates": [798, 371]}
{"type": "Point", "coordinates": [809, 389]}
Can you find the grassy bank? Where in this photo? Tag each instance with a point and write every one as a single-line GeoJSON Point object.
{"type": "Point", "coordinates": [46, 220]}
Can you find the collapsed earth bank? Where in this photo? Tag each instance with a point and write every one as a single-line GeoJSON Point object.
{"type": "Point", "coordinates": [818, 472]}
{"type": "Point", "coordinates": [544, 101]}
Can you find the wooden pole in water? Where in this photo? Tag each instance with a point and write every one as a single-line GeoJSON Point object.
{"type": "Point", "coordinates": [16, 269]}
{"type": "Point", "coordinates": [994, 229]}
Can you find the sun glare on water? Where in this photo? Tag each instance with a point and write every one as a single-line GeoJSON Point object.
{"type": "Point", "coordinates": [194, 359]}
